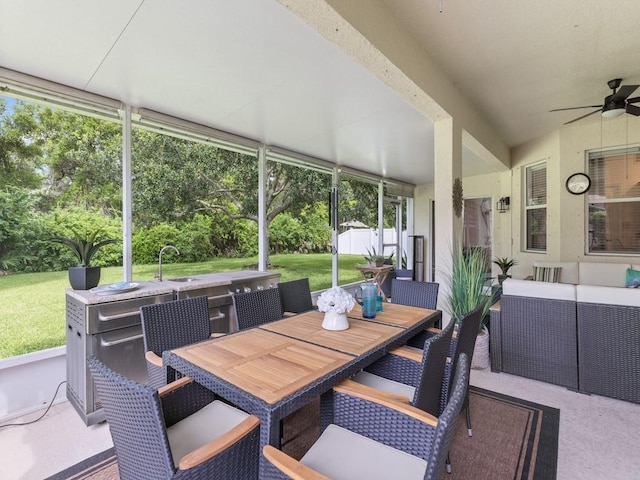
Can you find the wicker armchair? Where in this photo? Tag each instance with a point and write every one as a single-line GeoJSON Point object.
{"type": "Point", "coordinates": [377, 437]}
{"type": "Point", "coordinates": [180, 431]}
{"type": "Point", "coordinates": [170, 325]}
{"type": "Point", "coordinates": [416, 376]}
{"type": "Point", "coordinates": [295, 296]}
{"type": "Point", "coordinates": [257, 308]}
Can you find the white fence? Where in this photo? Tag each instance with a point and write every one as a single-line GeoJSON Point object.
{"type": "Point", "coordinates": [356, 241]}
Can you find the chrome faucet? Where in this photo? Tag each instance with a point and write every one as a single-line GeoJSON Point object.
{"type": "Point", "coordinates": [160, 259]}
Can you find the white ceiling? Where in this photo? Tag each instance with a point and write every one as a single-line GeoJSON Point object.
{"type": "Point", "coordinates": [252, 68]}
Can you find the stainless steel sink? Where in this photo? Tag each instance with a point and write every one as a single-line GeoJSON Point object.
{"type": "Point", "coordinates": [184, 279]}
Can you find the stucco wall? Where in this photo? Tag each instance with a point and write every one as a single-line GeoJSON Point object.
{"type": "Point", "coordinates": [565, 151]}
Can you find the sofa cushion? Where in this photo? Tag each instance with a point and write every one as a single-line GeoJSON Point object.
{"type": "Point", "coordinates": [604, 274]}
{"type": "Point", "coordinates": [546, 274]}
{"type": "Point", "coordinates": [527, 288]}
{"type": "Point", "coordinates": [568, 272]}
{"type": "Point", "coordinates": [608, 295]}
{"type": "Point", "coordinates": [633, 278]}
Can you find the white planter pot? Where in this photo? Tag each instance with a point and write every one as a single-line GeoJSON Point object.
{"type": "Point", "coordinates": [480, 359]}
{"type": "Point", "coordinates": [335, 321]}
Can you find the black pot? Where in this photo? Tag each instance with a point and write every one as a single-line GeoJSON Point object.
{"type": "Point", "coordinates": [84, 278]}
{"type": "Point", "coordinates": [502, 278]}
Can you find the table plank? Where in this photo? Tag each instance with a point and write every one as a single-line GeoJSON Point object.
{"type": "Point", "coordinates": [265, 364]}
{"type": "Point", "coordinates": [361, 337]}
{"type": "Point", "coordinates": [395, 314]}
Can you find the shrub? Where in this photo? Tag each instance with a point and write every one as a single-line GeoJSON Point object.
{"type": "Point", "coordinates": [147, 242]}
{"type": "Point", "coordinates": [61, 222]}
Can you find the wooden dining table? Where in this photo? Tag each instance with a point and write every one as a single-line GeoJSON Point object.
{"type": "Point", "coordinates": [273, 370]}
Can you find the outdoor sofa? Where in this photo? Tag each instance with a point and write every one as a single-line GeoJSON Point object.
{"type": "Point", "coordinates": [581, 331]}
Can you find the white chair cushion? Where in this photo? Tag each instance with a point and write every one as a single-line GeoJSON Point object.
{"type": "Point", "coordinates": [200, 428]}
{"type": "Point", "coordinates": [568, 270]}
{"type": "Point", "coordinates": [381, 383]}
{"type": "Point", "coordinates": [341, 454]}
{"type": "Point", "coordinates": [605, 274]}
{"type": "Point", "coordinates": [608, 295]}
{"type": "Point", "coordinates": [528, 288]}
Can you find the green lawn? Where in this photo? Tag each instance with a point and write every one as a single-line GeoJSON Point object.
{"type": "Point", "coordinates": [32, 313]}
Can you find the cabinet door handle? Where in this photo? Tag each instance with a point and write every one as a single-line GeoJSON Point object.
{"type": "Point", "coordinates": [103, 318]}
{"type": "Point", "coordinates": [120, 341]}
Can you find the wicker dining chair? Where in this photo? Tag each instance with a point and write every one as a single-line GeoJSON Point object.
{"type": "Point", "coordinates": [415, 375]}
{"type": "Point", "coordinates": [415, 294]}
{"type": "Point", "coordinates": [376, 437]}
{"type": "Point", "coordinates": [462, 342]}
{"type": "Point", "coordinates": [295, 296]}
{"type": "Point", "coordinates": [170, 325]}
{"type": "Point", "coordinates": [257, 308]}
{"type": "Point", "coordinates": [180, 431]}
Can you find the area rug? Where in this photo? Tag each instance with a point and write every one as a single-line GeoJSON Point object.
{"type": "Point", "coordinates": [512, 439]}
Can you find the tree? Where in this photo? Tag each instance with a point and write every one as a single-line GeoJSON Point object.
{"type": "Point", "coordinates": [289, 188]}
{"type": "Point", "coordinates": [83, 161]}
{"type": "Point", "coordinates": [16, 217]}
{"type": "Point", "coordinates": [19, 146]}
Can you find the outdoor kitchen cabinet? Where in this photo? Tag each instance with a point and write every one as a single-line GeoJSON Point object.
{"type": "Point", "coordinates": [111, 330]}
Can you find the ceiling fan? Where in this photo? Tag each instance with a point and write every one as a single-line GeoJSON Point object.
{"type": "Point", "coordinates": [615, 104]}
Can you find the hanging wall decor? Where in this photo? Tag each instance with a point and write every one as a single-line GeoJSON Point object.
{"type": "Point", "coordinates": [457, 197]}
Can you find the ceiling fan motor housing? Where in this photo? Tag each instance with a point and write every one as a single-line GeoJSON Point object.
{"type": "Point", "coordinates": [610, 104]}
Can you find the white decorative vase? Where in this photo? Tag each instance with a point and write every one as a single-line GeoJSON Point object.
{"type": "Point", "coordinates": [480, 359]}
{"type": "Point", "coordinates": [335, 321]}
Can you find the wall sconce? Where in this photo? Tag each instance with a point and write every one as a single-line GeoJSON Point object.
{"type": "Point", "coordinates": [503, 205]}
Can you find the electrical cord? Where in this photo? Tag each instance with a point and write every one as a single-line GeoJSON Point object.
{"type": "Point", "coordinates": [41, 416]}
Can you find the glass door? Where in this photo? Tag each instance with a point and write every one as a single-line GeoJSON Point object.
{"type": "Point", "coordinates": [477, 226]}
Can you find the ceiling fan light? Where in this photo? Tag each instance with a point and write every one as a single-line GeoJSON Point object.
{"type": "Point", "coordinates": [614, 112]}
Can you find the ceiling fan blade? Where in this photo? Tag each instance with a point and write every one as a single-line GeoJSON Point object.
{"type": "Point", "coordinates": [583, 116]}
{"type": "Point", "coordinates": [633, 100]}
{"type": "Point", "coordinates": [576, 108]}
{"type": "Point", "coordinates": [633, 110]}
{"type": "Point", "coordinates": [623, 93]}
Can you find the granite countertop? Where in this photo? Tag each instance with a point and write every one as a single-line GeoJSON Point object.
{"type": "Point", "coordinates": [144, 289]}
{"type": "Point", "coordinates": [168, 286]}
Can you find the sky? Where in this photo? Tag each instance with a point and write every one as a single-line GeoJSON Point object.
{"type": "Point", "coordinates": [9, 102]}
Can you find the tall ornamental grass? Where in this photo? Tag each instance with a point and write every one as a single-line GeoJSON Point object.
{"type": "Point", "coordinates": [466, 282]}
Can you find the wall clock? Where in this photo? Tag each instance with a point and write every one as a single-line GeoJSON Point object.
{"type": "Point", "coordinates": [457, 197]}
{"type": "Point", "coordinates": [578, 183]}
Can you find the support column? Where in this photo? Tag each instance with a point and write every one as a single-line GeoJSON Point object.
{"type": "Point", "coordinates": [335, 182]}
{"type": "Point", "coordinates": [127, 255]}
{"type": "Point", "coordinates": [263, 245]}
{"type": "Point", "coordinates": [448, 226]}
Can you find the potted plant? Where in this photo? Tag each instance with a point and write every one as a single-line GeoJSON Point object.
{"type": "Point", "coordinates": [84, 247]}
{"type": "Point", "coordinates": [373, 259]}
{"type": "Point", "coordinates": [466, 292]}
{"type": "Point", "coordinates": [504, 263]}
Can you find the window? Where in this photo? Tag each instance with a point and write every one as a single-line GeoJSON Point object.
{"type": "Point", "coordinates": [536, 208]}
{"type": "Point", "coordinates": [614, 201]}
